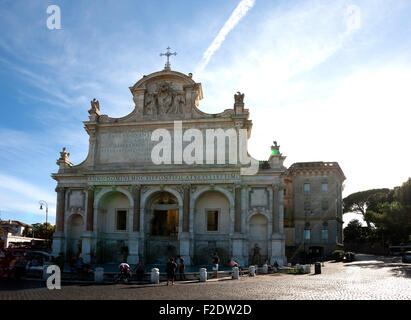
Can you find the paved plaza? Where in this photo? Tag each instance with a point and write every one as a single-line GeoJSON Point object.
{"type": "Point", "coordinates": [369, 277]}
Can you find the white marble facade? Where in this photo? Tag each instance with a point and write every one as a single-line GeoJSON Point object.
{"type": "Point", "coordinates": [117, 204]}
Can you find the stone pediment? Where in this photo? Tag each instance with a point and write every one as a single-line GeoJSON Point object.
{"type": "Point", "coordinates": [166, 95]}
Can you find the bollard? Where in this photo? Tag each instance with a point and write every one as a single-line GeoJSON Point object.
{"type": "Point", "coordinates": [307, 268]}
{"type": "Point", "coordinates": [300, 268]}
{"type": "Point", "coordinates": [99, 275]}
{"type": "Point", "coordinates": [265, 269]}
{"type": "Point", "coordinates": [203, 275]}
{"type": "Point", "coordinates": [155, 276]}
{"type": "Point", "coordinates": [251, 271]}
{"type": "Point", "coordinates": [236, 273]}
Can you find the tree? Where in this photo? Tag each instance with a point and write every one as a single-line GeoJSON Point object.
{"type": "Point", "coordinates": [403, 193]}
{"type": "Point", "coordinates": [359, 202]}
{"type": "Point", "coordinates": [392, 220]}
{"type": "Point", "coordinates": [353, 232]}
{"type": "Point", "coordinates": [43, 230]}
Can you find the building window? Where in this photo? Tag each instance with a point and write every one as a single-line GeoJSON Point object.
{"type": "Point", "coordinates": [324, 187]}
{"type": "Point", "coordinates": [212, 220]}
{"type": "Point", "coordinates": [285, 212]}
{"type": "Point", "coordinates": [324, 235]}
{"type": "Point", "coordinates": [307, 188]}
{"type": "Point", "coordinates": [284, 192]}
{"type": "Point", "coordinates": [307, 234]}
{"type": "Point", "coordinates": [307, 206]}
{"type": "Point", "coordinates": [324, 206]}
{"type": "Point", "coordinates": [121, 221]}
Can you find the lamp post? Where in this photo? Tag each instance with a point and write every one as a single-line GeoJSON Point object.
{"type": "Point", "coordinates": [44, 203]}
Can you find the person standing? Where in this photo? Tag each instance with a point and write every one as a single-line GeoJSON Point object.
{"type": "Point", "coordinates": [60, 261]}
{"type": "Point", "coordinates": [216, 261]}
{"type": "Point", "coordinates": [181, 268]}
{"type": "Point", "coordinates": [171, 271]}
{"type": "Point", "coordinates": [140, 269]}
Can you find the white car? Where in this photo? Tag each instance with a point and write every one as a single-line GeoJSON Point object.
{"type": "Point", "coordinates": [37, 260]}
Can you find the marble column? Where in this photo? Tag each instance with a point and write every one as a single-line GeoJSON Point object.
{"type": "Point", "coordinates": [90, 209]}
{"type": "Point", "coordinates": [58, 236]}
{"type": "Point", "coordinates": [185, 234]}
{"type": "Point", "coordinates": [136, 208]}
{"type": "Point", "coordinates": [237, 216]}
{"type": "Point", "coordinates": [186, 208]}
{"type": "Point", "coordinates": [61, 205]}
{"type": "Point", "coordinates": [275, 208]}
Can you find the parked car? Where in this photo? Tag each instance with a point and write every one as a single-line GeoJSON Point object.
{"type": "Point", "coordinates": [406, 257]}
{"type": "Point", "coordinates": [349, 256]}
{"type": "Point", "coordinates": [37, 259]}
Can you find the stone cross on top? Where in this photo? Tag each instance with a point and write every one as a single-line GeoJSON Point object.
{"type": "Point", "coordinates": [168, 54]}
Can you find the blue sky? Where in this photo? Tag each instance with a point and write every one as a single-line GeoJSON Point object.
{"type": "Point", "coordinates": [325, 86]}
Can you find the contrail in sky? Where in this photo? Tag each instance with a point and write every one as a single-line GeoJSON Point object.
{"type": "Point", "coordinates": [239, 12]}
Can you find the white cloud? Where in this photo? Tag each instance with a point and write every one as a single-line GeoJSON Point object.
{"type": "Point", "coordinates": [239, 12]}
{"type": "Point", "coordinates": [17, 195]}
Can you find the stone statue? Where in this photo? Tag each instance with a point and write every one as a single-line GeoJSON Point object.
{"type": "Point", "coordinates": [275, 149]}
{"type": "Point", "coordinates": [178, 104]}
{"type": "Point", "coordinates": [150, 106]}
{"type": "Point", "coordinates": [95, 107]}
{"type": "Point", "coordinates": [239, 98]}
{"type": "Point", "coordinates": [256, 255]}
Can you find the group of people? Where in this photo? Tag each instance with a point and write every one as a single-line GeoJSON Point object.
{"type": "Point", "coordinates": [172, 268]}
{"type": "Point", "coordinates": [11, 266]}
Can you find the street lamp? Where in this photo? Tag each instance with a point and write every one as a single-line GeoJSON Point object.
{"type": "Point", "coordinates": [44, 203]}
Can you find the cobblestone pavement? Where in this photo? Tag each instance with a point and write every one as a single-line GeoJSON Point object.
{"type": "Point", "coordinates": [369, 277]}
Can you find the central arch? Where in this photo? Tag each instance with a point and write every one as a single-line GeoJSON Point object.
{"type": "Point", "coordinates": [162, 226]}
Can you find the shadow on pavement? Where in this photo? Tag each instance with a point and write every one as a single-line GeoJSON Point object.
{"type": "Point", "coordinates": [398, 268]}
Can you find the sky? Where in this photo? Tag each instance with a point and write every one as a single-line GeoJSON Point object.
{"type": "Point", "coordinates": [328, 80]}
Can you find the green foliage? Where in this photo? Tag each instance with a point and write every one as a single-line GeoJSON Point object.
{"type": "Point", "coordinates": [354, 232]}
{"type": "Point", "coordinates": [393, 220]}
{"type": "Point", "coordinates": [403, 193]}
{"type": "Point", "coordinates": [43, 230]}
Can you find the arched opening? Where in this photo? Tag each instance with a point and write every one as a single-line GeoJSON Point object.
{"type": "Point", "coordinates": [161, 227]}
{"type": "Point", "coordinates": [113, 224]}
{"type": "Point", "coordinates": [164, 215]}
{"type": "Point", "coordinates": [75, 231]}
{"type": "Point", "coordinates": [211, 227]}
{"type": "Point", "coordinates": [258, 239]}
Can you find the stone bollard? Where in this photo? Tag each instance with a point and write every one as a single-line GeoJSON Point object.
{"type": "Point", "coordinates": [236, 273]}
{"type": "Point", "coordinates": [203, 275]}
{"type": "Point", "coordinates": [307, 268]}
{"type": "Point", "coordinates": [155, 276]}
{"type": "Point", "coordinates": [265, 269]}
{"type": "Point", "coordinates": [99, 275]}
{"type": "Point", "coordinates": [251, 271]}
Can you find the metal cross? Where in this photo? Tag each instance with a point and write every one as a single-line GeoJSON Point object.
{"type": "Point", "coordinates": [168, 54]}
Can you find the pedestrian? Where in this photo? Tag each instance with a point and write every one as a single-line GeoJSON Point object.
{"type": "Point", "coordinates": [140, 269]}
{"type": "Point", "coordinates": [171, 270]}
{"type": "Point", "coordinates": [181, 268]}
{"type": "Point", "coordinates": [20, 267]}
{"type": "Point", "coordinates": [275, 266]}
{"type": "Point", "coordinates": [216, 260]}
{"type": "Point", "coordinates": [60, 261]}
